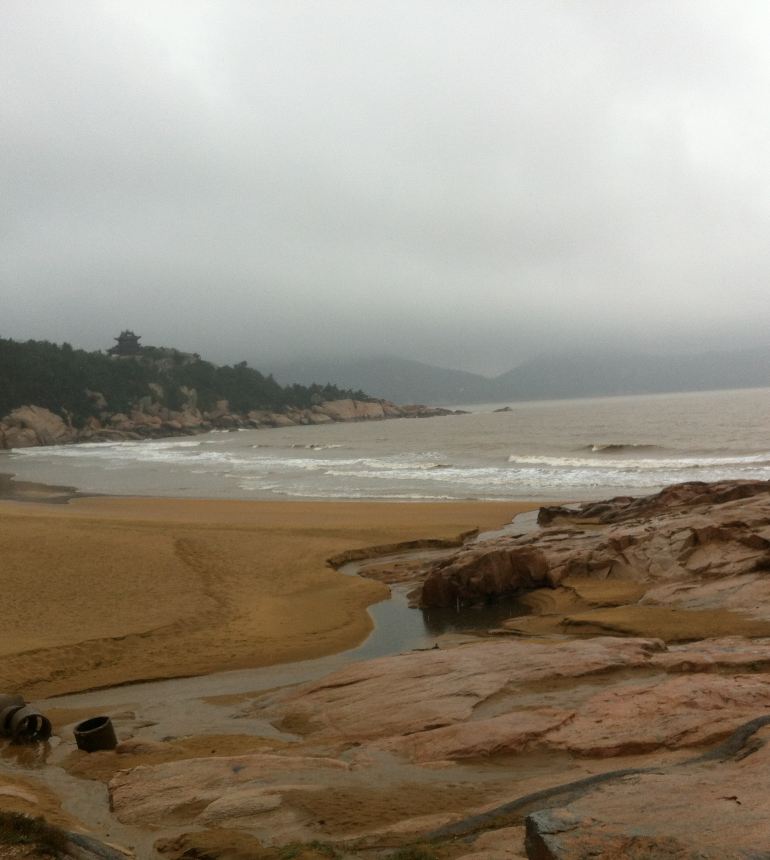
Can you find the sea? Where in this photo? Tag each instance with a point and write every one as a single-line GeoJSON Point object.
{"type": "Point", "coordinates": [540, 450]}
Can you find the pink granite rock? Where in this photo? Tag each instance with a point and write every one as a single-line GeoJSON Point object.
{"type": "Point", "coordinates": [677, 712]}
{"type": "Point", "coordinates": [212, 790]}
{"type": "Point", "coordinates": [443, 687]}
{"type": "Point", "coordinates": [694, 545]}
{"type": "Point", "coordinates": [717, 809]}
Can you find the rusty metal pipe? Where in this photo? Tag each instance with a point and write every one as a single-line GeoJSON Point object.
{"type": "Point", "coordinates": [96, 733]}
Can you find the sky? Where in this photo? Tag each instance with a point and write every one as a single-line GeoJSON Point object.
{"type": "Point", "coordinates": [464, 183]}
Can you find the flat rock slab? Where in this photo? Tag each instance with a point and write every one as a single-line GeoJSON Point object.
{"type": "Point", "coordinates": [503, 697]}
{"type": "Point", "coordinates": [214, 791]}
{"type": "Point", "coordinates": [443, 687]}
{"type": "Point", "coordinates": [712, 810]}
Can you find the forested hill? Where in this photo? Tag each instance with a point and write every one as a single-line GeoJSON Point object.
{"type": "Point", "coordinates": [84, 384]}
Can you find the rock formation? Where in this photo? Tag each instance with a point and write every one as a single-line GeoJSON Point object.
{"type": "Point", "coordinates": [592, 742]}
{"type": "Point", "coordinates": [479, 577]}
{"type": "Point", "coordinates": [693, 546]}
{"type": "Point", "coordinates": [33, 425]}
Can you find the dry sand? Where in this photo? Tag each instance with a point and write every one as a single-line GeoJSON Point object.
{"type": "Point", "coordinates": [103, 591]}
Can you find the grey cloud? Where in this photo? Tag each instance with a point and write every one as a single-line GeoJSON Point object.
{"type": "Point", "coordinates": [464, 183]}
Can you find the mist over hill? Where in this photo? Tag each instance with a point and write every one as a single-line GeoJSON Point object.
{"type": "Point", "coordinates": [401, 380]}
{"type": "Point", "coordinates": [563, 375]}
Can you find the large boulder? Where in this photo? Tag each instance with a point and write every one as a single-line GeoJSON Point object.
{"type": "Point", "coordinates": [473, 578]}
{"type": "Point", "coordinates": [352, 410]}
{"type": "Point", "coordinates": [277, 419]}
{"type": "Point", "coordinates": [143, 421]}
{"type": "Point", "coordinates": [43, 428]}
{"type": "Point", "coordinates": [314, 417]}
{"type": "Point", "coordinates": [17, 437]}
{"type": "Point", "coordinates": [190, 419]}
{"type": "Point", "coordinates": [391, 410]}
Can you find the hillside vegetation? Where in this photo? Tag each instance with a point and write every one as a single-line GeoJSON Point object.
{"type": "Point", "coordinates": [65, 380]}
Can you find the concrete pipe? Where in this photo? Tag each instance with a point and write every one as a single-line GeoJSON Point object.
{"type": "Point", "coordinates": [96, 733]}
{"type": "Point", "coordinates": [28, 724]}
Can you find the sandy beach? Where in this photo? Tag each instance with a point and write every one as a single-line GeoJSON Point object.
{"type": "Point", "coordinates": [105, 590]}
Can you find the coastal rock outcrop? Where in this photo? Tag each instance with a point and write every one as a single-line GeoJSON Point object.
{"type": "Point", "coordinates": [688, 495]}
{"type": "Point", "coordinates": [32, 425]}
{"type": "Point", "coordinates": [439, 688]}
{"type": "Point", "coordinates": [352, 410]}
{"type": "Point", "coordinates": [695, 546]}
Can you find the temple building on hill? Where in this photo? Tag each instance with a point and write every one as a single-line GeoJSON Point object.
{"type": "Point", "coordinates": [127, 344]}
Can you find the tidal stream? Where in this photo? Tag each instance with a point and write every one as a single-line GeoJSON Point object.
{"type": "Point", "coordinates": [180, 707]}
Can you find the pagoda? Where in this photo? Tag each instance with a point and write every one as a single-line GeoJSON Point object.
{"type": "Point", "coordinates": [127, 344]}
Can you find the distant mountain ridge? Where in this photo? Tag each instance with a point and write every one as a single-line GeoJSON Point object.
{"type": "Point", "coordinates": [408, 381]}
{"type": "Point", "coordinates": [555, 377]}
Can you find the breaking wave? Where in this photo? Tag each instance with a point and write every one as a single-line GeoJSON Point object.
{"type": "Point", "coordinates": [641, 464]}
{"type": "Point", "coordinates": [612, 447]}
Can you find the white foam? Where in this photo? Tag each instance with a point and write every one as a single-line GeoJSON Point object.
{"type": "Point", "coordinates": [629, 464]}
{"type": "Point", "coordinates": [358, 467]}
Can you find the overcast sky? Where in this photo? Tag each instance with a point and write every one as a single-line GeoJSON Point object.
{"type": "Point", "coordinates": [467, 183]}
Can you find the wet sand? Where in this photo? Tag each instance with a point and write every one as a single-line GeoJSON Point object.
{"type": "Point", "coordinates": [104, 590]}
{"type": "Point", "coordinates": [29, 491]}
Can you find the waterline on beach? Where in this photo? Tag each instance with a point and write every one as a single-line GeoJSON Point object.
{"type": "Point", "coordinates": [541, 450]}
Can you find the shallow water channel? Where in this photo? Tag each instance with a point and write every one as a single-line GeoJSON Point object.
{"type": "Point", "coordinates": [397, 628]}
{"type": "Point", "coordinates": [181, 707]}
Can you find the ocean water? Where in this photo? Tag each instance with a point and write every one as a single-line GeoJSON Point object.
{"type": "Point", "coordinates": [562, 449]}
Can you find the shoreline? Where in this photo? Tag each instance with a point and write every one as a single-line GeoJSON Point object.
{"type": "Point", "coordinates": [35, 426]}
{"type": "Point", "coordinates": [13, 490]}
{"type": "Point", "coordinates": [133, 589]}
